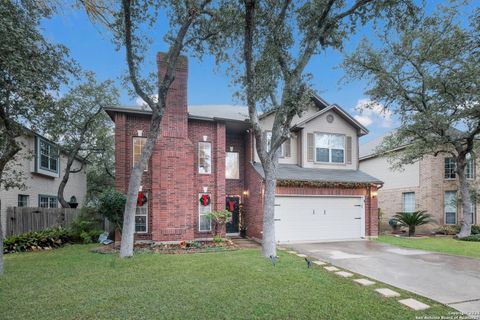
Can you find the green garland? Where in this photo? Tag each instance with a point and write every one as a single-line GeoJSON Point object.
{"type": "Point", "coordinates": [322, 184]}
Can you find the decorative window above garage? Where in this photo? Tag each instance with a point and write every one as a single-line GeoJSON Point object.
{"type": "Point", "coordinates": [329, 148]}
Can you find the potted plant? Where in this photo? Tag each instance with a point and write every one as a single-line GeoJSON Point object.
{"type": "Point", "coordinates": [412, 219]}
{"type": "Point", "coordinates": [243, 222]}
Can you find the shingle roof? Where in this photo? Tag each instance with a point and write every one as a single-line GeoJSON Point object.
{"type": "Point", "coordinates": [294, 172]}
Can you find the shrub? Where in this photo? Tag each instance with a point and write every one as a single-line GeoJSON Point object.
{"type": "Point", "coordinates": [32, 241]}
{"type": "Point", "coordinates": [475, 229]}
{"type": "Point", "coordinates": [475, 237]}
{"type": "Point", "coordinates": [87, 226]}
{"type": "Point", "coordinates": [447, 229]}
{"type": "Point", "coordinates": [220, 218]}
{"type": "Point", "coordinates": [112, 206]}
{"type": "Point", "coordinates": [412, 220]}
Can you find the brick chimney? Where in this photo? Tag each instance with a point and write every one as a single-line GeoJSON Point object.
{"type": "Point", "coordinates": [172, 170]}
{"type": "Point", "coordinates": [174, 122]}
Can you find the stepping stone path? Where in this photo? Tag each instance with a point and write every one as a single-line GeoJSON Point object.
{"type": "Point", "coordinates": [414, 304]}
{"type": "Point", "coordinates": [319, 263]}
{"type": "Point", "coordinates": [292, 252]}
{"type": "Point", "coordinates": [387, 293]}
{"type": "Point", "coordinates": [364, 282]}
{"type": "Point", "coordinates": [344, 274]}
{"type": "Point", "coordinates": [281, 249]}
{"type": "Point", "coordinates": [301, 255]}
{"type": "Point", "coordinates": [331, 268]}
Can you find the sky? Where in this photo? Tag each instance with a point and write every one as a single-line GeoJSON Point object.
{"type": "Point", "coordinates": [91, 47]}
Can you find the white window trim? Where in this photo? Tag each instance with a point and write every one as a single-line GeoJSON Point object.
{"type": "Point", "coordinates": [403, 201]}
{"type": "Point", "coordinates": [204, 214]}
{"type": "Point", "coordinates": [211, 159]}
{"type": "Point", "coordinates": [39, 155]}
{"type": "Point", "coordinates": [315, 134]}
{"type": "Point", "coordinates": [143, 215]}
{"type": "Point", "coordinates": [445, 212]}
{"type": "Point", "coordinates": [133, 150]}
{"type": "Point", "coordinates": [455, 170]}
{"type": "Point", "coordinates": [27, 202]}
{"type": "Point", "coordinates": [49, 197]}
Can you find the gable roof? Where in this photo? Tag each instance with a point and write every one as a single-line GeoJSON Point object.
{"type": "Point", "coordinates": [339, 110]}
{"type": "Point", "coordinates": [319, 102]}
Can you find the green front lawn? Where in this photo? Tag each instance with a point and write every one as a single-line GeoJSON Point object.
{"type": "Point", "coordinates": [437, 244]}
{"type": "Point", "coordinates": [72, 283]}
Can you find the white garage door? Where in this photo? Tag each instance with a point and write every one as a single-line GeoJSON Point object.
{"type": "Point", "coordinates": [300, 218]}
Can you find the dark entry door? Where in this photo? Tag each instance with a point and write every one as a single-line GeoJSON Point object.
{"type": "Point", "coordinates": [233, 205]}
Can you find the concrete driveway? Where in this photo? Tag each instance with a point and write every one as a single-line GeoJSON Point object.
{"type": "Point", "coordinates": [451, 280]}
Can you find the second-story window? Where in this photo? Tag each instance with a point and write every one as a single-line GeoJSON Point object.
{"type": "Point", "coordinates": [284, 150]}
{"type": "Point", "coordinates": [138, 145]}
{"type": "Point", "coordinates": [204, 157]}
{"type": "Point", "coordinates": [451, 167]}
{"type": "Point", "coordinates": [232, 164]}
{"type": "Point", "coordinates": [48, 155]}
{"type": "Point", "coordinates": [329, 148]}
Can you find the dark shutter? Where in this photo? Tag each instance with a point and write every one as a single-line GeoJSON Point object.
{"type": "Point", "coordinates": [310, 147]}
{"type": "Point", "coordinates": [348, 150]}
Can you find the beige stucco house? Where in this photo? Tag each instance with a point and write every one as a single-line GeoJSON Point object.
{"type": "Point", "coordinates": [42, 167]}
{"type": "Point", "coordinates": [429, 184]}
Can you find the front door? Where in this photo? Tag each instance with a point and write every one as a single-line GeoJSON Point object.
{"type": "Point", "coordinates": [233, 205]}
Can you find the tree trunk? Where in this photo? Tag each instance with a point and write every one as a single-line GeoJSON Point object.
{"type": "Point", "coordinates": [466, 199]}
{"type": "Point", "coordinates": [128, 231]}
{"type": "Point", "coordinates": [63, 183]}
{"type": "Point", "coordinates": [268, 236]}
{"type": "Point", "coordinates": [411, 231]}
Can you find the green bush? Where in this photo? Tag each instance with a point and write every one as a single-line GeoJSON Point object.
{"type": "Point", "coordinates": [475, 237]}
{"type": "Point", "coordinates": [412, 220]}
{"type": "Point", "coordinates": [112, 206]}
{"type": "Point", "coordinates": [448, 229]}
{"type": "Point", "coordinates": [32, 241]}
{"type": "Point", "coordinates": [475, 229]}
{"type": "Point", "coordinates": [87, 226]}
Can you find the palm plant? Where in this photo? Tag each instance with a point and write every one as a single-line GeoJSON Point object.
{"type": "Point", "coordinates": [412, 220]}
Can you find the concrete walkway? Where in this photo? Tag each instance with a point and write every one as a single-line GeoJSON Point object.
{"type": "Point", "coordinates": [451, 280]}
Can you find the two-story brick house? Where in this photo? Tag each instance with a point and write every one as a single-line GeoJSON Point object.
{"type": "Point", "coordinates": [429, 184]}
{"type": "Point", "coordinates": [205, 160]}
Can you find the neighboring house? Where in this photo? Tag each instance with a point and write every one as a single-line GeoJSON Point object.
{"type": "Point", "coordinates": [42, 167]}
{"type": "Point", "coordinates": [205, 160]}
{"type": "Point", "coordinates": [429, 184]}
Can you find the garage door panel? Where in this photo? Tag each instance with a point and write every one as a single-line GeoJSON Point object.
{"type": "Point", "coordinates": [317, 218]}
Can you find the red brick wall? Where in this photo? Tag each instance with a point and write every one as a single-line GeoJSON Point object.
{"type": "Point", "coordinates": [215, 181]}
{"type": "Point", "coordinates": [235, 187]}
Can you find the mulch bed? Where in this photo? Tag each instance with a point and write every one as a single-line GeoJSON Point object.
{"type": "Point", "coordinates": [172, 248]}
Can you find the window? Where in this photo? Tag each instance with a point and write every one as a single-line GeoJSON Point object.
{"type": "Point", "coordinates": [232, 170]}
{"type": "Point", "coordinates": [450, 207]}
{"type": "Point", "coordinates": [470, 169]}
{"type": "Point", "coordinates": [48, 156]}
{"type": "Point", "coordinates": [138, 144]}
{"type": "Point", "coordinates": [204, 223]}
{"type": "Point", "coordinates": [284, 150]}
{"type": "Point", "coordinates": [408, 202]}
{"type": "Point", "coordinates": [329, 148]}
{"type": "Point", "coordinates": [45, 201]}
{"type": "Point", "coordinates": [474, 212]}
{"type": "Point", "coordinates": [22, 200]}
{"type": "Point", "coordinates": [141, 218]}
{"type": "Point", "coordinates": [204, 157]}
{"type": "Point", "coordinates": [451, 167]}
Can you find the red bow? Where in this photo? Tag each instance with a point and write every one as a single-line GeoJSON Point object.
{"type": "Point", "coordinates": [205, 199]}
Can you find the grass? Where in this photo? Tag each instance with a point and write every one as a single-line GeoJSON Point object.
{"type": "Point", "coordinates": [437, 244]}
{"type": "Point", "coordinates": [73, 283]}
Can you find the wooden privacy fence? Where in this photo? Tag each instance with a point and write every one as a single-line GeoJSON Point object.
{"type": "Point", "coordinates": [20, 220]}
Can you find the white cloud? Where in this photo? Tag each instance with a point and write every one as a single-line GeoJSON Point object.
{"type": "Point", "coordinates": [364, 120]}
{"type": "Point", "coordinates": [370, 112]}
